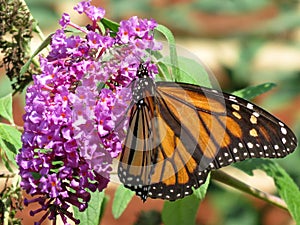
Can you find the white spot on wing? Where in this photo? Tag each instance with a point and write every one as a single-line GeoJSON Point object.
{"type": "Point", "coordinates": [283, 140]}
{"type": "Point", "coordinates": [283, 130]}
{"type": "Point", "coordinates": [256, 114]}
{"type": "Point", "coordinates": [249, 106]}
{"type": "Point", "coordinates": [250, 145]}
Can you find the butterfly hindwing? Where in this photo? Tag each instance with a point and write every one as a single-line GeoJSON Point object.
{"type": "Point", "coordinates": [176, 169]}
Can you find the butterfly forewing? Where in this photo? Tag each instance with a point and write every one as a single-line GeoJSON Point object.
{"type": "Point", "coordinates": [242, 130]}
{"type": "Point", "coordinates": [179, 132]}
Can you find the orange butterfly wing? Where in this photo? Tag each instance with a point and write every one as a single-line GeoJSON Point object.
{"type": "Point", "coordinates": [178, 132]}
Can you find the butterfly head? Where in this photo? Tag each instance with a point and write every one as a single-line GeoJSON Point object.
{"type": "Point", "coordinates": [144, 85]}
{"type": "Point", "coordinates": [142, 72]}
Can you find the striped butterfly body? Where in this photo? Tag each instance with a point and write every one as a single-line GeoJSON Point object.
{"type": "Point", "coordinates": [179, 132]}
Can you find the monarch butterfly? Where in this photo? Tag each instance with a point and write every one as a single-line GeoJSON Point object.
{"type": "Point", "coordinates": [178, 132]}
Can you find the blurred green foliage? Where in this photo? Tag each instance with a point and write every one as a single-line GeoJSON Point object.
{"type": "Point", "coordinates": [229, 6]}
{"type": "Point", "coordinates": [234, 211]}
{"type": "Point", "coordinates": [150, 217]}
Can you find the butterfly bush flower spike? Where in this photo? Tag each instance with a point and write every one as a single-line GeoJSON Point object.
{"type": "Point", "coordinates": [74, 122]}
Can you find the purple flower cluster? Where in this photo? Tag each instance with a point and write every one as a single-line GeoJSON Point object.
{"type": "Point", "coordinates": [75, 120]}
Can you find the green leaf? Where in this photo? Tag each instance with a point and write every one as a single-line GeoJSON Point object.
{"type": "Point", "coordinates": [6, 108]}
{"type": "Point", "coordinates": [92, 215]}
{"type": "Point", "coordinates": [192, 72]}
{"type": "Point", "coordinates": [182, 211]}
{"type": "Point", "coordinates": [109, 24]}
{"type": "Point", "coordinates": [201, 191]}
{"type": "Point", "coordinates": [163, 74]}
{"type": "Point", "coordinates": [252, 92]}
{"type": "Point", "coordinates": [122, 197]}
{"type": "Point", "coordinates": [168, 35]}
{"type": "Point", "coordinates": [172, 47]}
{"type": "Point", "coordinates": [286, 187]}
{"type": "Point", "coordinates": [44, 44]}
{"type": "Point", "coordinates": [5, 161]}
{"type": "Point", "coordinates": [10, 143]}
{"type": "Point", "coordinates": [189, 71]}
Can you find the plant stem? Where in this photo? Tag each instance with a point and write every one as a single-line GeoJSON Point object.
{"type": "Point", "coordinates": [225, 178]}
